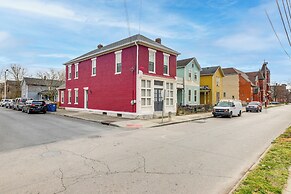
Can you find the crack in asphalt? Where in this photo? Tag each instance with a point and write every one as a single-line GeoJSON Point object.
{"type": "Point", "coordinates": [62, 182]}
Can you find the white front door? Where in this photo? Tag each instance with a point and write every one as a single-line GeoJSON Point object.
{"type": "Point", "coordinates": [86, 98]}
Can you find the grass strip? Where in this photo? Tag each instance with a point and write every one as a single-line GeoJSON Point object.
{"type": "Point", "coordinates": [271, 174]}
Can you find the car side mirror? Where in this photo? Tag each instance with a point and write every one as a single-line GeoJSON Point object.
{"type": "Point", "coordinates": [233, 105]}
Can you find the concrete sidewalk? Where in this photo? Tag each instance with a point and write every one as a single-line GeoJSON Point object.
{"type": "Point", "coordinates": [131, 123]}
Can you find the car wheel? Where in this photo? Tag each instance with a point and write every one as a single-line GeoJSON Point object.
{"type": "Point", "coordinates": [230, 116]}
{"type": "Point", "coordinates": [44, 112]}
{"type": "Point", "coordinates": [239, 114]}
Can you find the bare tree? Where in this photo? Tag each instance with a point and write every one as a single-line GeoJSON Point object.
{"type": "Point", "coordinates": [53, 78]}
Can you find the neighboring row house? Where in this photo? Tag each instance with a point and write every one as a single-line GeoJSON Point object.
{"type": "Point", "coordinates": [188, 82]}
{"type": "Point", "coordinates": [237, 85]}
{"type": "Point", "coordinates": [127, 78]}
{"type": "Point", "coordinates": [140, 77]}
{"type": "Point", "coordinates": [40, 89]}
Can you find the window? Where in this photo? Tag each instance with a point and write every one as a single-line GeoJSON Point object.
{"type": "Point", "coordinates": [146, 93]}
{"type": "Point", "coordinates": [152, 61]}
{"type": "Point", "coordinates": [195, 77]}
{"type": "Point", "coordinates": [76, 95]}
{"type": "Point", "coordinates": [62, 97]}
{"type": "Point", "coordinates": [69, 96]}
{"type": "Point", "coordinates": [76, 70]}
{"type": "Point", "coordinates": [118, 64]}
{"type": "Point", "coordinates": [224, 94]}
{"type": "Point", "coordinates": [195, 95]}
{"type": "Point", "coordinates": [217, 81]}
{"type": "Point", "coordinates": [169, 94]}
{"type": "Point", "coordinates": [166, 64]}
{"type": "Point", "coordinates": [190, 74]}
{"type": "Point", "coordinates": [69, 72]}
{"type": "Point", "coordinates": [189, 96]}
{"type": "Point", "coordinates": [93, 67]}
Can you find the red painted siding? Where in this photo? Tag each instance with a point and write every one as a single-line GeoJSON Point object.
{"type": "Point", "coordinates": [245, 90]}
{"type": "Point", "coordinates": [144, 63]}
{"type": "Point", "coordinates": [107, 91]}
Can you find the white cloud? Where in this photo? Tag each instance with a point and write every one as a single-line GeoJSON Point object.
{"type": "Point", "coordinates": [44, 8]}
{"type": "Point", "coordinates": [4, 36]}
{"type": "Point", "coordinates": [57, 55]}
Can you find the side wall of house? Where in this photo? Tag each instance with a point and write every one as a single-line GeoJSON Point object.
{"type": "Point", "coordinates": [245, 90]}
{"type": "Point", "coordinates": [231, 87]}
{"type": "Point", "coordinates": [107, 90]}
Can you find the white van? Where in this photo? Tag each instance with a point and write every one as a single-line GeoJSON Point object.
{"type": "Point", "coordinates": [228, 108]}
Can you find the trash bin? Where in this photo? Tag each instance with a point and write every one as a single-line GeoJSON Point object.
{"type": "Point", "coordinates": [48, 106]}
{"type": "Point", "coordinates": [53, 107]}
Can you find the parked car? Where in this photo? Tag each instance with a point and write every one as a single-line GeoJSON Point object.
{"type": "Point", "coordinates": [227, 108]}
{"type": "Point", "coordinates": [3, 102]}
{"type": "Point", "coordinates": [254, 106]}
{"type": "Point", "coordinates": [19, 103]}
{"type": "Point", "coordinates": [34, 106]}
{"type": "Point", "coordinates": [9, 104]}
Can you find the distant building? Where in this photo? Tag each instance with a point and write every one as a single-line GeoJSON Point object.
{"type": "Point", "coordinates": [236, 85]}
{"type": "Point", "coordinates": [12, 89]}
{"type": "Point", "coordinates": [280, 93]}
{"type": "Point", "coordinates": [39, 89]}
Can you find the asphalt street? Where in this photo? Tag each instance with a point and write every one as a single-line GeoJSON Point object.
{"type": "Point", "coordinates": [203, 156]}
{"type": "Point", "coordinates": [18, 130]}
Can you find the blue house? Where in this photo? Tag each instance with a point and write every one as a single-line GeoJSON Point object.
{"type": "Point", "coordinates": [188, 82]}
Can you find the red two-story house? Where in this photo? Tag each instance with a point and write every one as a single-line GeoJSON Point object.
{"type": "Point", "coordinates": [133, 77]}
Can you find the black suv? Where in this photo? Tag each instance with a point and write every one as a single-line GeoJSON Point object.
{"type": "Point", "coordinates": [34, 106]}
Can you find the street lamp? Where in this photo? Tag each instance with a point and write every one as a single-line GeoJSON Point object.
{"type": "Point", "coordinates": [5, 84]}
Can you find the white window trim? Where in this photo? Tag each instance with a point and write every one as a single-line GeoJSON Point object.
{"type": "Point", "coordinates": [154, 51]}
{"type": "Point", "coordinates": [93, 63]}
{"type": "Point", "coordinates": [76, 70]}
{"type": "Point", "coordinates": [76, 89]}
{"type": "Point", "coordinates": [69, 72]}
{"type": "Point", "coordinates": [168, 96]}
{"type": "Point", "coordinates": [167, 55]}
{"type": "Point", "coordinates": [190, 78]}
{"type": "Point", "coordinates": [116, 53]}
{"type": "Point", "coordinates": [147, 97]}
{"type": "Point", "coordinates": [69, 96]}
{"type": "Point", "coordinates": [62, 97]}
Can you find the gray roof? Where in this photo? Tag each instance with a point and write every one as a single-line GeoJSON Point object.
{"type": "Point", "coordinates": [232, 71]}
{"type": "Point", "coordinates": [62, 87]}
{"type": "Point", "coordinates": [209, 70]}
{"type": "Point", "coordinates": [125, 42]}
{"type": "Point", "coordinates": [42, 82]}
{"type": "Point", "coordinates": [184, 62]}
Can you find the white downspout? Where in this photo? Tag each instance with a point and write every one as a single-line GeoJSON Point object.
{"type": "Point", "coordinates": [137, 97]}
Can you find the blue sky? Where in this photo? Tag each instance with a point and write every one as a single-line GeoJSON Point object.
{"type": "Point", "coordinates": [42, 34]}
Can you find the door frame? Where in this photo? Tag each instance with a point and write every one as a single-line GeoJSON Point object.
{"type": "Point", "coordinates": [86, 97]}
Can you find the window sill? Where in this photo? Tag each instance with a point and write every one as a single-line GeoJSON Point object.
{"type": "Point", "coordinates": [152, 72]}
{"type": "Point", "coordinates": [166, 74]}
{"type": "Point", "coordinates": [69, 103]}
{"type": "Point", "coordinates": [117, 73]}
{"type": "Point", "coordinates": [76, 77]}
{"type": "Point", "coordinates": [76, 103]}
{"type": "Point", "coordinates": [93, 75]}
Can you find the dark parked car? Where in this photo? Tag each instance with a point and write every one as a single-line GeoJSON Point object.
{"type": "Point", "coordinates": [34, 106]}
{"type": "Point", "coordinates": [19, 103]}
{"type": "Point", "coordinates": [254, 106]}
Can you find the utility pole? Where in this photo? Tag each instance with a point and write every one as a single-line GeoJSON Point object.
{"type": "Point", "coordinates": [5, 84]}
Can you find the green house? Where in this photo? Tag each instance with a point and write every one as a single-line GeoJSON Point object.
{"type": "Point", "coordinates": [188, 82]}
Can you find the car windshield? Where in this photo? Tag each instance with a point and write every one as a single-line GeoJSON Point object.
{"type": "Point", "coordinates": [254, 103]}
{"type": "Point", "coordinates": [224, 104]}
{"type": "Point", "coordinates": [38, 102]}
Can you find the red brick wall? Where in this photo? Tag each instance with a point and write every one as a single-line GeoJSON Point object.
{"type": "Point", "coordinates": [245, 90]}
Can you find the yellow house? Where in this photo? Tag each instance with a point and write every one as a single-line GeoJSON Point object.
{"type": "Point", "coordinates": [211, 85]}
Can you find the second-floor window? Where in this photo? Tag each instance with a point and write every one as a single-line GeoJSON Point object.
{"type": "Point", "coordinates": [69, 72]}
{"type": "Point", "coordinates": [76, 70]}
{"type": "Point", "coordinates": [152, 61]}
{"type": "Point", "coordinates": [93, 67]}
{"type": "Point", "coordinates": [166, 64]}
{"type": "Point", "coordinates": [195, 77]}
{"type": "Point", "coordinates": [76, 95]}
{"type": "Point", "coordinates": [118, 64]}
{"type": "Point", "coordinates": [190, 74]}
{"type": "Point", "coordinates": [217, 81]}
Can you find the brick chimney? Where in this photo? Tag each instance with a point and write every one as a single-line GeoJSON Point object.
{"type": "Point", "coordinates": [99, 46]}
{"type": "Point", "coordinates": [159, 40]}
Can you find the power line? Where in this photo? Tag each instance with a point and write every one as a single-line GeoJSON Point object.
{"type": "Point", "coordinates": [277, 35]}
{"type": "Point", "coordinates": [288, 6]}
{"type": "Point", "coordinates": [283, 22]}
{"type": "Point", "coordinates": [127, 18]}
{"type": "Point", "coordinates": [286, 15]}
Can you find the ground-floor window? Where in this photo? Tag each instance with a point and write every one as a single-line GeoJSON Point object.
{"type": "Point", "coordinates": [169, 94]}
{"type": "Point", "coordinates": [76, 95]}
{"type": "Point", "coordinates": [146, 93]}
{"type": "Point", "coordinates": [189, 96]}
{"type": "Point", "coordinates": [69, 96]}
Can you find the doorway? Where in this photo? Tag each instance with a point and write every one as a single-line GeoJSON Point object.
{"type": "Point", "coordinates": [86, 98]}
